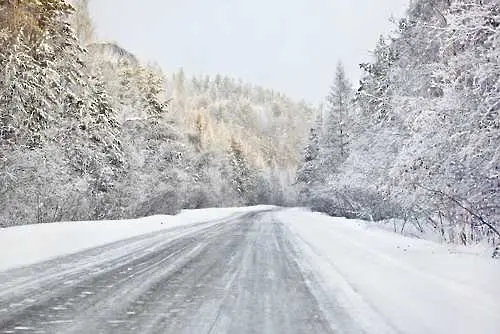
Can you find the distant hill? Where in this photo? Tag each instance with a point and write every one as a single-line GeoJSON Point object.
{"type": "Point", "coordinates": [270, 125]}
{"type": "Point", "coordinates": [112, 52]}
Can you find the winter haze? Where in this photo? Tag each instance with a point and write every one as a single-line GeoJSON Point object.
{"type": "Point", "coordinates": [288, 45]}
{"type": "Point", "coordinates": [165, 167]}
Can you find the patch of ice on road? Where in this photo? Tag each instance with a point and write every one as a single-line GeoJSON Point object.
{"type": "Point", "coordinates": [57, 322]}
{"type": "Point", "coordinates": [29, 244]}
{"type": "Point", "coordinates": [59, 308]}
{"type": "Point", "coordinates": [385, 279]}
{"type": "Point", "coordinates": [24, 328]}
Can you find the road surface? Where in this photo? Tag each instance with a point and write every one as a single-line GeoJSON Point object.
{"type": "Point", "coordinates": [239, 275]}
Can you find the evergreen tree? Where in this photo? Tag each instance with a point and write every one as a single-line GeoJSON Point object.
{"type": "Point", "coordinates": [373, 95]}
{"type": "Point", "coordinates": [307, 173]}
{"type": "Point", "coordinates": [335, 134]}
{"type": "Point", "coordinates": [242, 176]}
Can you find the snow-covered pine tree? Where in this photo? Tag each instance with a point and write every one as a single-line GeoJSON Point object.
{"type": "Point", "coordinates": [334, 139]}
{"type": "Point", "coordinates": [51, 104]}
{"type": "Point", "coordinates": [307, 172]}
{"type": "Point", "coordinates": [39, 67]}
{"type": "Point", "coordinates": [243, 178]}
{"type": "Point", "coordinates": [373, 95]}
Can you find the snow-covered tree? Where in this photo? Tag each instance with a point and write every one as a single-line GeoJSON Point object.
{"type": "Point", "coordinates": [335, 136]}
{"type": "Point", "coordinates": [54, 113]}
{"type": "Point", "coordinates": [242, 178]}
{"type": "Point", "coordinates": [424, 130]}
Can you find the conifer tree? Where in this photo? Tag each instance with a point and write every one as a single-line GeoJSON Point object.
{"type": "Point", "coordinates": [335, 137]}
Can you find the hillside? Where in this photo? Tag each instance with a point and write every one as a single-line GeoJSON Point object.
{"type": "Point", "coordinates": [90, 132]}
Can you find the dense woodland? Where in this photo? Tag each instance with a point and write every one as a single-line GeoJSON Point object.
{"type": "Point", "coordinates": [89, 131]}
{"type": "Point", "coordinates": [419, 140]}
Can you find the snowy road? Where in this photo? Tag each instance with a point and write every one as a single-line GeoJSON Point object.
{"type": "Point", "coordinates": [236, 276]}
{"type": "Point", "coordinates": [256, 272]}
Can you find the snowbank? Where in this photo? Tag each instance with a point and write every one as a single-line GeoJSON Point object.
{"type": "Point", "coordinates": [24, 245]}
{"type": "Point", "coordinates": [391, 283]}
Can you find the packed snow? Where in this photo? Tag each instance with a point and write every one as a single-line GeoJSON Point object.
{"type": "Point", "coordinates": [25, 245]}
{"type": "Point", "coordinates": [379, 280]}
{"type": "Point", "coordinates": [391, 283]}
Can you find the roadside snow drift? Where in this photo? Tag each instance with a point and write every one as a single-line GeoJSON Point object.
{"type": "Point", "coordinates": [389, 283]}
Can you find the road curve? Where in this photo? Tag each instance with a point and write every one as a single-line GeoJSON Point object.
{"type": "Point", "coordinates": [240, 275]}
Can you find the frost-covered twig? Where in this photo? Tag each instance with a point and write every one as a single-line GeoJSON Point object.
{"type": "Point", "coordinates": [469, 210]}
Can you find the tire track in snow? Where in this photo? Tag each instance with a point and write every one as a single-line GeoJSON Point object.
{"type": "Point", "coordinates": [236, 276]}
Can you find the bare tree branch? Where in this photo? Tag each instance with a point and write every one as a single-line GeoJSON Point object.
{"type": "Point", "coordinates": [457, 202]}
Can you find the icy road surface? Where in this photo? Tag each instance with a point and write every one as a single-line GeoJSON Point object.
{"type": "Point", "coordinates": [236, 276]}
{"type": "Point", "coordinates": [255, 272]}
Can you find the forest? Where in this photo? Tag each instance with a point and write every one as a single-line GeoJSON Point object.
{"type": "Point", "coordinates": [418, 142]}
{"type": "Point", "coordinates": [88, 131]}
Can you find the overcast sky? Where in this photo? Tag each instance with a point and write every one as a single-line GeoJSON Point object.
{"type": "Point", "coordinates": [288, 45]}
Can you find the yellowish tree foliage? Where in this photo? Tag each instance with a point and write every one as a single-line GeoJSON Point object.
{"type": "Point", "coordinates": [32, 17]}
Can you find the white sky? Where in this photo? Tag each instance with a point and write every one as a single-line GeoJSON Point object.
{"type": "Point", "coordinates": [288, 45]}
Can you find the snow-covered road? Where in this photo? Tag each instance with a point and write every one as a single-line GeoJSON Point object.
{"type": "Point", "coordinates": [255, 272]}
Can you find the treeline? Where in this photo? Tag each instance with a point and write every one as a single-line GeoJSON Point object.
{"type": "Point", "coordinates": [419, 141]}
{"type": "Point", "coordinates": [87, 131]}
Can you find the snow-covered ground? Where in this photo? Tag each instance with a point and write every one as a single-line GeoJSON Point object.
{"type": "Point", "coordinates": [362, 279]}
{"type": "Point", "coordinates": [390, 283]}
{"type": "Point", "coordinates": [25, 245]}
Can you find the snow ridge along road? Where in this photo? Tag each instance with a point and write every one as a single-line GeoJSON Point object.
{"type": "Point", "coordinates": [261, 271]}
